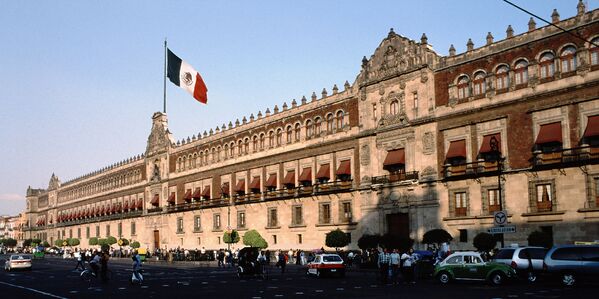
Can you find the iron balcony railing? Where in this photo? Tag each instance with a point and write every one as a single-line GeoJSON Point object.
{"type": "Point", "coordinates": [578, 155]}
{"type": "Point", "coordinates": [395, 177]}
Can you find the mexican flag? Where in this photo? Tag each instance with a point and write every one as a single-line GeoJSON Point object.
{"type": "Point", "coordinates": [185, 76]}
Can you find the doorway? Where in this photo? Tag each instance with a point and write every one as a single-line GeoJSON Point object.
{"type": "Point", "coordinates": [398, 224]}
{"type": "Point", "coordinates": [156, 239]}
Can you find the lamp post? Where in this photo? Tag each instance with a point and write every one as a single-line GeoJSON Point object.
{"type": "Point", "coordinates": [496, 152]}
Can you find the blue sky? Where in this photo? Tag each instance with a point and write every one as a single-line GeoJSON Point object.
{"type": "Point", "coordinates": [80, 80]}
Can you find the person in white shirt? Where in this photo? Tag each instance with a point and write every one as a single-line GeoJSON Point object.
{"type": "Point", "coordinates": [394, 260]}
{"type": "Point", "coordinates": [408, 261]}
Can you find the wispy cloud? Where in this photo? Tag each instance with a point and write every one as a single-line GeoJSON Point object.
{"type": "Point", "coordinates": [11, 197]}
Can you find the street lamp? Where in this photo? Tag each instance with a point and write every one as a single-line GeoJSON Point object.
{"type": "Point", "coordinates": [496, 154]}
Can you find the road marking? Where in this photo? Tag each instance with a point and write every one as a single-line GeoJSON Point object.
{"type": "Point", "coordinates": [165, 285]}
{"type": "Point", "coordinates": [256, 297]}
{"type": "Point", "coordinates": [278, 295]}
{"type": "Point", "coordinates": [30, 289]}
{"type": "Point", "coordinates": [319, 291]}
{"type": "Point", "coordinates": [122, 288]}
{"type": "Point", "coordinates": [273, 287]}
{"type": "Point", "coordinates": [204, 282]}
{"type": "Point", "coordinates": [144, 287]}
{"type": "Point", "coordinates": [299, 293]}
{"type": "Point", "coordinates": [357, 287]}
{"type": "Point", "coordinates": [74, 292]}
{"type": "Point", "coordinates": [340, 289]}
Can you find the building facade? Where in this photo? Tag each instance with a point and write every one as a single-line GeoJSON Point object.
{"type": "Point", "coordinates": [419, 141]}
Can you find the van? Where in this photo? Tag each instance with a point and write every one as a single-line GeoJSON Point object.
{"type": "Point", "coordinates": [519, 257]}
{"type": "Point", "coordinates": [572, 263]}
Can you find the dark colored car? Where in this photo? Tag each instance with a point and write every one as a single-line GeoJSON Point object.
{"type": "Point", "coordinates": [572, 262]}
{"type": "Point", "coordinates": [249, 263]}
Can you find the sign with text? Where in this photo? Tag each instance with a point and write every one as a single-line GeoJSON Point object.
{"type": "Point", "coordinates": [502, 229]}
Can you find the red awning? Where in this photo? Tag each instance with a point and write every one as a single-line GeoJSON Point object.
{"type": "Point", "coordinates": [272, 180]}
{"type": "Point", "coordinates": [197, 193]}
{"type": "Point", "coordinates": [240, 187]}
{"type": "Point", "coordinates": [324, 172]}
{"type": "Point", "coordinates": [155, 200]}
{"type": "Point", "coordinates": [395, 157]}
{"type": "Point", "coordinates": [485, 146]}
{"type": "Point", "coordinates": [306, 175]}
{"type": "Point", "coordinates": [550, 133]}
{"type": "Point", "coordinates": [289, 178]}
{"type": "Point", "coordinates": [140, 202]}
{"type": "Point", "coordinates": [225, 189]}
{"type": "Point", "coordinates": [171, 198]}
{"type": "Point", "coordinates": [206, 192]}
{"type": "Point", "coordinates": [255, 183]}
{"type": "Point", "coordinates": [126, 205]}
{"type": "Point", "coordinates": [344, 168]}
{"type": "Point", "coordinates": [113, 208]}
{"type": "Point", "coordinates": [592, 129]}
{"type": "Point", "coordinates": [456, 149]}
{"type": "Point", "coordinates": [187, 196]}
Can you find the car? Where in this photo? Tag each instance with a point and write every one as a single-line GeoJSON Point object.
{"type": "Point", "coordinates": [326, 263]}
{"type": "Point", "coordinates": [518, 258]}
{"type": "Point", "coordinates": [469, 265]}
{"type": "Point", "coordinates": [18, 261]}
{"type": "Point", "coordinates": [572, 262]}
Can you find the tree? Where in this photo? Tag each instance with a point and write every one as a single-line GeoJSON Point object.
{"type": "Point", "coordinates": [124, 242]}
{"type": "Point", "coordinates": [46, 244]}
{"type": "Point", "coordinates": [73, 241]}
{"type": "Point", "coordinates": [369, 241]}
{"type": "Point", "coordinates": [27, 243]}
{"type": "Point", "coordinates": [102, 242]}
{"type": "Point", "coordinates": [93, 241]}
{"type": "Point", "coordinates": [10, 242]}
{"type": "Point", "coordinates": [135, 244]}
{"type": "Point", "coordinates": [336, 238]}
{"type": "Point", "coordinates": [36, 241]}
{"type": "Point", "coordinates": [254, 239]}
{"type": "Point", "coordinates": [231, 238]}
{"type": "Point", "coordinates": [58, 242]}
{"type": "Point", "coordinates": [111, 240]}
{"type": "Point", "coordinates": [540, 238]}
{"type": "Point", "coordinates": [484, 242]}
{"type": "Point", "coordinates": [390, 241]}
{"type": "Point", "coordinates": [436, 236]}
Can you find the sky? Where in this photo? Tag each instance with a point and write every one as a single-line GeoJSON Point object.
{"type": "Point", "coordinates": [80, 80]}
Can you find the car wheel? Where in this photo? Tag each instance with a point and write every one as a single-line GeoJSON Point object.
{"type": "Point", "coordinates": [318, 274]}
{"type": "Point", "coordinates": [497, 278]}
{"type": "Point", "coordinates": [444, 277]}
{"type": "Point", "coordinates": [568, 279]}
{"type": "Point", "coordinates": [532, 277]}
{"type": "Point", "coordinates": [239, 272]}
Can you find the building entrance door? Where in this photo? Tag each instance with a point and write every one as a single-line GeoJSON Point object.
{"type": "Point", "coordinates": [398, 224]}
{"type": "Point", "coordinates": [156, 239]}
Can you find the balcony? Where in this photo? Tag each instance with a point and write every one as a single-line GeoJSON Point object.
{"type": "Point", "coordinates": [333, 187]}
{"type": "Point", "coordinates": [204, 203]}
{"type": "Point", "coordinates": [115, 216]}
{"type": "Point", "coordinates": [467, 170]}
{"type": "Point", "coordinates": [588, 154]}
{"type": "Point", "coordinates": [395, 177]}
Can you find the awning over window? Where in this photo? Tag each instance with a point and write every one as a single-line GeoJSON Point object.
{"type": "Point", "coordinates": [395, 157]}
{"type": "Point", "coordinates": [272, 180]}
{"type": "Point", "coordinates": [197, 193]}
{"type": "Point", "coordinates": [324, 172]}
{"type": "Point", "coordinates": [592, 129]}
{"type": "Point", "coordinates": [456, 149]}
{"type": "Point", "coordinates": [344, 168]}
{"type": "Point", "coordinates": [306, 175]}
{"type": "Point", "coordinates": [171, 198]}
{"type": "Point", "coordinates": [485, 146]}
{"type": "Point", "coordinates": [113, 209]}
{"type": "Point", "coordinates": [155, 200]}
{"type": "Point", "coordinates": [550, 133]}
{"type": "Point", "coordinates": [240, 187]}
{"type": "Point", "coordinates": [225, 189]}
{"type": "Point", "coordinates": [206, 192]}
{"type": "Point", "coordinates": [126, 205]}
{"type": "Point", "coordinates": [255, 183]}
{"type": "Point", "coordinates": [187, 195]}
{"type": "Point", "coordinates": [289, 178]}
{"type": "Point", "coordinates": [140, 202]}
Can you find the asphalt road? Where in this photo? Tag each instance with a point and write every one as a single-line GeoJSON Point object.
{"type": "Point", "coordinates": [55, 278]}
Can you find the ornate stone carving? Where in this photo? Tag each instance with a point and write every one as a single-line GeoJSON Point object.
{"type": "Point", "coordinates": [423, 76]}
{"type": "Point", "coordinates": [428, 143]}
{"type": "Point", "coordinates": [394, 119]}
{"type": "Point", "coordinates": [160, 138]}
{"type": "Point", "coordinates": [365, 155]}
{"type": "Point", "coordinates": [54, 183]}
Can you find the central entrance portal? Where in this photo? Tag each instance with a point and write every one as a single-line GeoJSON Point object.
{"type": "Point", "coordinates": [156, 239]}
{"type": "Point", "coordinates": [398, 224]}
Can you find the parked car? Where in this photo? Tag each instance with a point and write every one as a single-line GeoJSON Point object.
{"type": "Point", "coordinates": [519, 257]}
{"type": "Point", "coordinates": [326, 263]}
{"type": "Point", "coordinates": [18, 261]}
{"type": "Point", "coordinates": [572, 262]}
{"type": "Point", "coordinates": [469, 265]}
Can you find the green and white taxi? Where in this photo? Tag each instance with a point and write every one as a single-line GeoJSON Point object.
{"type": "Point", "coordinates": [469, 265]}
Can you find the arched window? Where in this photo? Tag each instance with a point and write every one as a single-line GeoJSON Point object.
{"type": "Point", "coordinates": [394, 107]}
{"type": "Point", "coordinates": [218, 150]}
{"type": "Point", "coordinates": [501, 78]}
{"type": "Point", "coordinates": [206, 158]}
{"type": "Point", "coordinates": [246, 146]}
{"type": "Point", "coordinates": [289, 134]}
{"type": "Point", "coordinates": [298, 132]}
{"type": "Point", "coordinates": [463, 87]}
{"type": "Point", "coordinates": [546, 67]}
{"type": "Point", "coordinates": [183, 160]}
{"type": "Point", "coordinates": [479, 86]}
{"type": "Point", "coordinates": [595, 51]}
{"type": "Point", "coordinates": [262, 141]}
{"type": "Point", "coordinates": [568, 59]}
{"type": "Point", "coordinates": [279, 137]}
{"type": "Point", "coordinates": [340, 120]}
{"type": "Point", "coordinates": [232, 149]}
{"type": "Point", "coordinates": [521, 72]}
{"type": "Point", "coordinates": [330, 123]}
{"type": "Point", "coordinates": [317, 125]}
{"type": "Point", "coordinates": [255, 143]}
{"type": "Point", "coordinates": [309, 129]}
{"type": "Point", "coordinates": [240, 147]}
{"type": "Point", "coordinates": [193, 161]}
{"type": "Point", "coordinates": [271, 139]}
{"type": "Point", "coordinates": [226, 155]}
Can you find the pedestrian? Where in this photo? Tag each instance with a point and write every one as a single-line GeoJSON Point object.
{"type": "Point", "coordinates": [303, 258]}
{"type": "Point", "coordinates": [350, 259]}
{"type": "Point", "coordinates": [282, 261]}
{"type": "Point", "coordinates": [298, 257]}
{"type": "Point", "coordinates": [105, 256]}
{"type": "Point", "coordinates": [394, 260]}
{"type": "Point", "coordinates": [408, 261]}
{"type": "Point", "coordinates": [383, 264]}
{"type": "Point", "coordinates": [221, 259]}
{"type": "Point", "coordinates": [79, 258]}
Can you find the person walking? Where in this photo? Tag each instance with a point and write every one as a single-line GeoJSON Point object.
{"type": "Point", "coordinates": [394, 260]}
{"type": "Point", "coordinates": [79, 256]}
{"type": "Point", "coordinates": [282, 261]}
{"type": "Point", "coordinates": [408, 261]}
{"type": "Point", "coordinates": [104, 262]}
{"type": "Point", "coordinates": [136, 265]}
{"type": "Point", "coordinates": [383, 264]}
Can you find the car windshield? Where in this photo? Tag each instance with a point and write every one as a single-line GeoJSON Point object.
{"type": "Point", "coordinates": [331, 258]}
{"type": "Point", "coordinates": [505, 254]}
{"type": "Point", "coordinates": [535, 253]}
{"type": "Point", "coordinates": [454, 260]}
{"type": "Point", "coordinates": [19, 257]}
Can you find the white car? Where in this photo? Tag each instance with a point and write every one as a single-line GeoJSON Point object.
{"type": "Point", "coordinates": [18, 261]}
{"type": "Point", "coordinates": [326, 264]}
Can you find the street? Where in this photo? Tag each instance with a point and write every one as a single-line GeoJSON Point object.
{"type": "Point", "coordinates": [55, 277]}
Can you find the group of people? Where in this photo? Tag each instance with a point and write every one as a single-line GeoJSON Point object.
{"type": "Point", "coordinates": [98, 261]}
{"type": "Point", "coordinates": [398, 267]}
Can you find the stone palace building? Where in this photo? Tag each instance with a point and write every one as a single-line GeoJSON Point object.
{"type": "Point", "coordinates": [418, 141]}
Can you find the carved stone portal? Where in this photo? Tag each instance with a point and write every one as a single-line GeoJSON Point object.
{"type": "Point", "coordinates": [365, 155]}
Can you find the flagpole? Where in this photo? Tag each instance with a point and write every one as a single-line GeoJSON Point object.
{"type": "Point", "coordinates": [164, 79]}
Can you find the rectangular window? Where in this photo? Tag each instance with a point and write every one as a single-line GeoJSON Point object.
{"type": "Point", "coordinates": [274, 239]}
{"type": "Point", "coordinates": [241, 219]}
{"type": "Point", "coordinates": [79, 233]}
{"type": "Point", "coordinates": [544, 197]}
{"type": "Point", "coordinates": [460, 203]}
{"type": "Point", "coordinates": [216, 224]}
{"type": "Point", "coordinates": [87, 232]}
{"type": "Point", "coordinates": [463, 235]}
{"type": "Point", "coordinates": [298, 215]}
{"type": "Point", "coordinates": [325, 213]}
{"type": "Point", "coordinates": [218, 240]}
{"type": "Point", "coordinates": [107, 230]}
{"type": "Point", "coordinates": [71, 233]}
{"type": "Point", "coordinates": [197, 224]}
{"type": "Point", "coordinates": [596, 192]}
{"type": "Point", "coordinates": [299, 239]}
{"type": "Point", "coordinates": [120, 229]}
{"type": "Point", "coordinates": [133, 228]}
{"type": "Point", "coordinates": [97, 231]}
{"type": "Point", "coordinates": [180, 225]}
{"type": "Point", "coordinates": [199, 241]}
{"type": "Point", "coordinates": [374, 111]}
{"type": "Point", "coordinates": [494, 204]}
{"type": "Point", "coordinates": [272, 217]}
{"type": "Point", "coordinates": [346, 212]}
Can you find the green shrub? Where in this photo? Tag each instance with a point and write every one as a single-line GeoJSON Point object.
{"type": "Point", "coordinates": [254, 239]}
{"type": "Point", "coordinates": [484, 242]}
{"type": "Point", "coordinates": [93, 241]}
{"type": "Point", "coordinates": [231, 238]}
{"type": "Point", "coordinates": [111, 240]}
{"type": "Point", "coordinates": [336, 238]}
{"type": "Point", "coordinates": [540, 238]}
{"type": "Point", "coordinates": [436, 236]}
{"type": "Point", "coordinates": [369, 241]}
{"type": "Point", "coordinates": [73, 241]}
{"type": "Point", "coordinates": [135, 244]}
